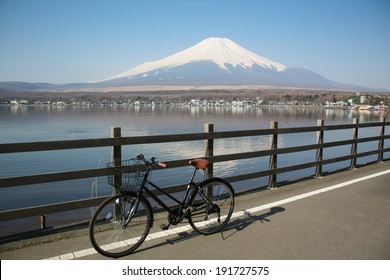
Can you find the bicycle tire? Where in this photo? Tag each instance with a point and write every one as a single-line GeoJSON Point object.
{"type": "Point", "coordinates": [210, 215]}
{"type": "Point", "coordinates": [109, 232]}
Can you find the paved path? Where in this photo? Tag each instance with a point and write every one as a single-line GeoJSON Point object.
{"type": "Point", "coordinates": [340, 216]}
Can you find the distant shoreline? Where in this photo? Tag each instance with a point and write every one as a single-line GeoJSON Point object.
{"type": "Point", "coordinates": [261, 95]}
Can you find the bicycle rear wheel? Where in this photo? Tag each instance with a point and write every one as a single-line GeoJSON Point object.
{"type": "Point", "coordinates": [120, 225]}
{"type": "Point", "coordinates": [212, 206]}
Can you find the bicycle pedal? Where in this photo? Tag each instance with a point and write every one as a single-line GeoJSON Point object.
{"type": "Point", "coordinates": [164, 226]}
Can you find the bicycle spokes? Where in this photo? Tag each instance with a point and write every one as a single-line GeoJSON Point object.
{"type": "Point", "coordinates": [212, 206]}
{"type": "Point", "coordinates": [120, 225]}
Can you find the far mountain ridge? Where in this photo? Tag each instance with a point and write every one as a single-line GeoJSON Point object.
{"type": "Point", "coordinates": [219, 61]}
{"type": "Point", "coordinates": [211, 62]}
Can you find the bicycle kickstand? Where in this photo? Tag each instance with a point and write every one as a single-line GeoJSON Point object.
{"type": "Point", "coordinates": [164, 226]}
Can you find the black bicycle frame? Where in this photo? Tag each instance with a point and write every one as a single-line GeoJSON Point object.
{"type": "Point", "coordinates": [182, 204]}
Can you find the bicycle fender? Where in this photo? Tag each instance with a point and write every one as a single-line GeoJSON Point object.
{"type": "Point", "coordinates": [214, 179]}
{"type": "Point", "coordinates": [147, 205]}
{"type": "Point", "coordinates": [150, 207]}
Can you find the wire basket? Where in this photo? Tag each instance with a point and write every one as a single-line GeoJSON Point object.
{"type": "Point", "coordinates": [124, 178]}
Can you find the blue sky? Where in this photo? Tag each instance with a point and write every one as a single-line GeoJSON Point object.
{"type": "Point", "coordinates": [63, 41]}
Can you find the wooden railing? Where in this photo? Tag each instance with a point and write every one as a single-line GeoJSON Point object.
{"type": "Point", "coordinates": [116, 142]}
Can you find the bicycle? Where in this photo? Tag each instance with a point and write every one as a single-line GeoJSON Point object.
{"type": "Point", "coordinates": [122, 222]}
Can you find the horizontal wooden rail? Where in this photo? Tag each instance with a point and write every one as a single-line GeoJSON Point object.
{"type": "Point", "coordinates": [84, 203]}
{"type": "Point", "coordinates": [206, 136]}
{"type": "Point", "coordinates": [99, 172]}
{"type": "Point", "coordinates": [108, 142]}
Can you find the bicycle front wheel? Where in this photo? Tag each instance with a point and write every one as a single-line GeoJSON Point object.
{"type": "Point", "coordinates": [120, 225]}
{"type": "Point", "coordinates": [211, 206]}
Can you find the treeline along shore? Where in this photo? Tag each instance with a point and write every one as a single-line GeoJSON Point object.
{"type": "Point", "coordinates": [196, 96]}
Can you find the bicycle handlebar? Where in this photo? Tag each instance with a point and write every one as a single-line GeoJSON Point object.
{"type": "Point", "coordinates": [152, 161]}
{"type": "Point", "coordinates": [162, 164]}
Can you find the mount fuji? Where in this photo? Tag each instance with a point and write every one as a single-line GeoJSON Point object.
{"type": "Point", "coordinates": [211, 62]}
{"type": "Point", "coordinates": [218, 61]}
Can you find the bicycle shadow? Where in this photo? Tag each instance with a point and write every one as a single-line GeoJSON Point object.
{"type": "Point", "coordinates": [236, 225]}
{"type": "Point", "coordinates": [180, 237]}
{"type": "Point", "coordinates": [240, 224]}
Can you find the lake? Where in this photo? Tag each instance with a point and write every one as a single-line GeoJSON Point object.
{"type": "Point", "coordinates": [47, 123]}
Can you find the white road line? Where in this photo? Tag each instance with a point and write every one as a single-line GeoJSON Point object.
{"type": "Point", "coordinates": [156, 235]}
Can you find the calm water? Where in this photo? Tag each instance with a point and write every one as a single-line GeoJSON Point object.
{"type": "Point", "coordinates": [45, 123]}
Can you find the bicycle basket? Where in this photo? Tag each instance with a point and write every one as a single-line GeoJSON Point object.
{"type": "Point", "coordinates": [126, 175]}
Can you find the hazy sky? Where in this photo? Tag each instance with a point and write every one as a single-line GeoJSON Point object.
{"type": "Point", "coordinates": [63, 41]}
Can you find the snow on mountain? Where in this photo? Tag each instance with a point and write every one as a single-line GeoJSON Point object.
{"type": "Point", "coordinates": [217, 61]}
{"type": "Point", "coordinates": [220, 51]}
{"type": "Point", "coordinates": [211, 62]}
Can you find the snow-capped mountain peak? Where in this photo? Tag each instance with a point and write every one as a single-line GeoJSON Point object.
{"type": "Point", "coordinates": [211, 62]}
{"type": "Point", "coordinates": [217, 61]}
{"type": "Point", "coordinates": [224, 51]}
{"type": "Point", "coordinates": [220, 51]}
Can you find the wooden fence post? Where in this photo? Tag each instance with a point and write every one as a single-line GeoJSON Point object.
{"type": "Point", "coordinates": [381, 144]}
{"type": "Point", "coordinates": [116, 157]}
{"type": "Point", "coordinates": [320, 150]}
{"type": "Point", "coordinates": [355, 136]}
{"type": "Point", "coordinates": [209, 150]}
{"type": "Point", "coordinates": [273, 159]}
